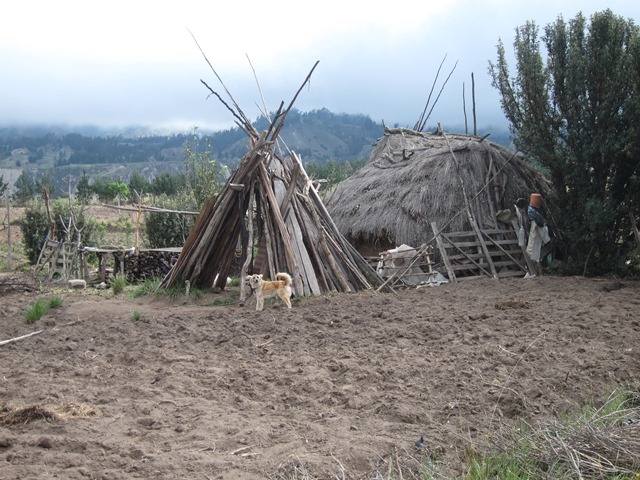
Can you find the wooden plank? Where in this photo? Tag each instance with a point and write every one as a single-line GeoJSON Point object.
{"type": "Point", "coordinates": [305, 265]}
{"type": "Point", "coordinates": [483, 245]}
{"type": "Point", "coordinates": [466, 255]}
{"type": "Point", "coordinates": [443, 253]}
{"type": "Point", "coordinates": [518, 264]}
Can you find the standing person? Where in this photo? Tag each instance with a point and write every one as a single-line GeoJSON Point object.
{"type": "Point", "coordinates": [538, 231]}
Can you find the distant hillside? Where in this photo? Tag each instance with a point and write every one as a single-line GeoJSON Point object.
{"type": "Point", "coordinates": [317, 136]}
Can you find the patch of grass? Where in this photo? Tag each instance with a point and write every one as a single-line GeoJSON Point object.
{"type": "Point", "coordinates": [56, 302]}
{"type": "Point", "coordinates": [19, 258]}
{"type": "Point", "coordinates": [177, 292]}
{"type": "Point", "coordinates": [230, 299]}
{"type": "Point", "coordinates": [590, 442]}
{"type": "Point", "coordinates": [146, 287]}
{"type": "Point", "coordinates": [235, 282]}
{"type": "Point", "coordinates": [36, 310]}
{"type": "Point", "coordinates": [137, 315]}
{"type": "Point", "coordinates": [118, 284]}
{"type": "Point", "coordinates": [152, 287]}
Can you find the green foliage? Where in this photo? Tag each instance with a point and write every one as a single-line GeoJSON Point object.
{"type": "Point", "coordinates": [118, 283]}
{"type": "Point", "coordinates": [146, 287]}
{"type": "Point", "coordinates": [137, 315]}
{"type": "Point", "coordinates": [34, 228]}
{"type": "Point", "coordinates": [100, 187]}
{"type": "Point", "coordinates": [45, 185]}
{"type": "Point", "coordinates": [3, 186]}
{"type": "Point", "coordinates": [578, 115]}
{"type": "Point", "coordinates": [138, 185]}
{"type": "Point", "coordinates": [167, 184]}
{"type": "Point", "coordinates": [169, 229]}
{"type": "Point", "coordinates": [56, 302]}
{"type": "Point", "coordinates": [84, 193]}
{"type": "Point", "coordinates": [108, 191]}
{"type": "Point", "coordinates": [204, 175]}
{"type": "Point", "coordinates": [36, 310]}
{"type": "Point", "coordinates": [118, 190]}
{"type": "Point", "coordinates": [35, 225]}
{"type": "Point", "coordinates": [589, 433]}
{"type": "Point", "coordinates": [25, 188]}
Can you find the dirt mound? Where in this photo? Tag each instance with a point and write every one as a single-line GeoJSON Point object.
{"type": "Point", "coordinates": [338, 386]}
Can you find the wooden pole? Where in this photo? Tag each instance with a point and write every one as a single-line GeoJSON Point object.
{"type": "Point", "coordinates": [4, 342]}
{"type": "Point", "coordinates": [138, 217]}
{"type": "Point", "coordinates": [472, 220]}
{"type": "Point", "coordinates": [249, 251]}
{"type": "Point", "coordinates": [9, 254]}
{"type": "Point", "coordinates": [473, 100]}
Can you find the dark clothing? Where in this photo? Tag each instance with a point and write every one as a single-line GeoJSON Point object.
{"type": "Point", "coordinates": [535, 216]}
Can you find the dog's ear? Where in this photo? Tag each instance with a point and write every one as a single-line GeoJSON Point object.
{"type": "Point", "coordinates": [260, 276]}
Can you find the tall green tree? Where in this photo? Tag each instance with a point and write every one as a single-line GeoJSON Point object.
{"type": "Point", "coordinates": [167, 184]}
{"type": "Point", "coordinates": [84, 193]}
{"type": "Point", "coordinates": [204, 175]}
{"type": "Point", "coordinates": [3, 186]}
{"type": "Point", "coordinates": [138, 185]}
{"type": "Point", "coordinates": [25, 188]}
{"type": "Point", "coordinates": [576, 111]}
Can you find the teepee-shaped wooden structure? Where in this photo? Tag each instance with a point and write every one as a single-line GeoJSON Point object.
{"type": "Point", "coordinates": [270, 207]}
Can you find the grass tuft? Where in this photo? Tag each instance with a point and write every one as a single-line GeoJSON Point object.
{"type": "Point", "coordinates": [36, 310]}
{"type": "Point", "coordinates": [593, 442]}
{"type": "Point", "coordinates": [137, 315]}
{"type": "Point", "coordinates": [118, 284]}
{"type": "Point", "coordinates": [56, 302]}
{"type": "Point", "coordinates": [146, 287]}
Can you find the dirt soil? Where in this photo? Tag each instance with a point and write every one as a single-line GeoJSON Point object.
{"type": "Point", "coordinates": [332, 388]}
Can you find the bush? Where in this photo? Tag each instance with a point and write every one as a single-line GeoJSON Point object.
{"type": "Point", "coordinates": [118, 284]}
{"type": "Point", "coordinates": [36, 311]}
{"type": "Point", "coordinates": [39, 308]}
{"type": "Point", "coordinates": [35, 226]}
{"type": "Point", "coordinates": [169, 229]}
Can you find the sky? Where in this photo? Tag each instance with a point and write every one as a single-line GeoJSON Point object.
{"type": "Point", "coordinates": [140, 63]}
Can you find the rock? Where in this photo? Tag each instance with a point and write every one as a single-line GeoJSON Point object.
{"type": "Point", "coordinates": [44, 442]}
{"type": "Point", "coordinates": [77, 284]}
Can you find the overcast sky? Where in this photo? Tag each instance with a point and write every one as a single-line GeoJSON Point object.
{"type": "Point", "coordinates": [134, 62]}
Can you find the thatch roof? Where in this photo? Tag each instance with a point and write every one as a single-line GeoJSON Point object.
{"type": "Point", "coordinates": [412, 179]}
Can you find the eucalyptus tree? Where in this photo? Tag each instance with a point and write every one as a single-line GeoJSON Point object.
{"type": "Point", "coordinates": [575, 109]}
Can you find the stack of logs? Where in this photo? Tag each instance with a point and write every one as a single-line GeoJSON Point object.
{"type": "Point", "coordinates": [149, 264]}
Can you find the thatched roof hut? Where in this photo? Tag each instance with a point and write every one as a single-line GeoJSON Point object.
{"type": "Point", "coordinates": [413, 179]}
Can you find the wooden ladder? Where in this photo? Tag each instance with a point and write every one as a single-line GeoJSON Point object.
{"type": "Point", "coordinates": [57, 257]}
{"type": "Point", "coordinates": [493, 253]}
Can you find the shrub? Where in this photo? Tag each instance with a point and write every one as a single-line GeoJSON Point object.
{"type": "Point", "coordinates": [118, 284]}
{"type": "Point", "coordinates": [39, 308]}
{"type": "Point", "coordinates": [35, 226]}
{"type": "Point", "coordinates": [169, 229]}
{"type": "Point", "coordinates": [55, 302]}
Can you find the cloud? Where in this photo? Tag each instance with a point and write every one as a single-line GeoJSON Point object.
{"type": "Point", "coordinates": [124, 62]}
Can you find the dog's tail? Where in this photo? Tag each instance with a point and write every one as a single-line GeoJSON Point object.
{"type": "Point", "coordinates": [285, 277]}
